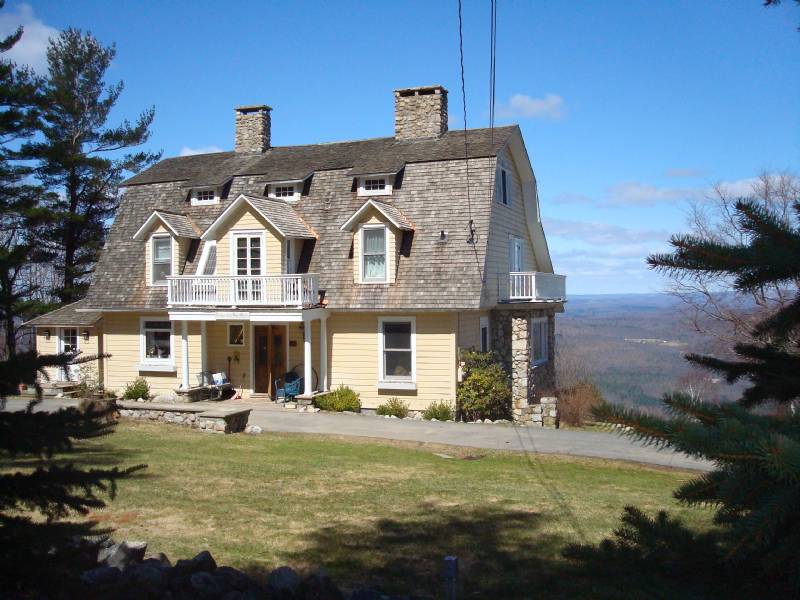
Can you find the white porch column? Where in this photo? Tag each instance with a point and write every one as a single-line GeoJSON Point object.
{"type": "Point", "coordinates": [307, 358]}
{"type": "Point", "coordinates": [323, 353]}
{"type": "Point", "coordinates": [185, 355]}
{"type": "Point", "coordinates": [203, 348]}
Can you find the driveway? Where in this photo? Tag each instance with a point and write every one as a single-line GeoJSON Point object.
{"type": "Point", "coordinates": [473, 435]}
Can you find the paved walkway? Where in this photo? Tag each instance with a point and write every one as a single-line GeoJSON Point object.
{"type": "Point", "coordinates": [474, 435]}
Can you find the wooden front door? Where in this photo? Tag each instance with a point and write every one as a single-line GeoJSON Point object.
{"type": "Point", "coordinates": [270, 358]}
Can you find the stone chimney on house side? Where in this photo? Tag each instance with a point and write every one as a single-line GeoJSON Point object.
{"type": "Point", "coordinates": [253, 125]}
{"type": "Point", "coordinates": [420, 112]}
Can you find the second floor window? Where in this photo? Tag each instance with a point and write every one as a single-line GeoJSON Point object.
{"type": "Point", "coordinates": [202, 197]}
{"type": "Point", "coordinates": [161, 266]}
{"type": "Point", "coordinates": [373, 252]}
{"type": "Point", "coordinates": [503, 187]}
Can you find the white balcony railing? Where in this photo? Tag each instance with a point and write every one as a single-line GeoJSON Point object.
{"type": "Point", "coordinates": [537, 287]}
{"type": "Point", "coordinates": [241, 290]}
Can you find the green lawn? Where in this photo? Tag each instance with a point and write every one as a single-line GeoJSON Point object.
{"type": "Point", "coordinates": [371, 511]}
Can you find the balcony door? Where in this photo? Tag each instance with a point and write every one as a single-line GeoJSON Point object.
{"type": "Point", "coordinates": [248, 267]}
{"type": "Point", "coordinates": [515, 255]}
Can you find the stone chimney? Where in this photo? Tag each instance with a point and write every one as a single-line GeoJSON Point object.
{"type": "Point", "coordinates": [252, 128]}
{"type": "Point", "coordinates": [420, 112]}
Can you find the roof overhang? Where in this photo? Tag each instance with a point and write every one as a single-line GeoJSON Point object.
{"type": "Point", "coordinates": [355, 218]}
{"type": "Point", "coordinates": [231, 210]}
{"type": "Point", "coordinates": [154, 217]}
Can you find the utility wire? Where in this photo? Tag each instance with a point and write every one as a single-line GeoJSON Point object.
{"type": "Point", "coordinates": [472, 240]}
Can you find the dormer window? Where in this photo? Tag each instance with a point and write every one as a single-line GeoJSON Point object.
{"type": "Point", "coordinates": [204, 197]}
{"type": "Point", "coordinates": [375, 185]}
{"type": "Point", "coordinates": [373, 254]}
{"type": "Point", "coordinates": [285, 190]}
{"type": "Point", "coordinates": [161, 259]}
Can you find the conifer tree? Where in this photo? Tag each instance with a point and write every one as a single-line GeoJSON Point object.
{"type": "Point", "coordinates": [755, 483]}
{"type": "Point", "coordinates": [20, 103]}
{"type": "Point", "coordinates": [81, 157]}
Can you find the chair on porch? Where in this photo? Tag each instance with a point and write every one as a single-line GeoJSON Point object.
{"type": "Point", "coordinates": [287, 388]}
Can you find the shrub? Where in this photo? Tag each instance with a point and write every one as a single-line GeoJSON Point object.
{"type": "Point", "coordinates": [394, 407]}
{"type": "Point", "coordinates": [441, 411]}
{"type": "Point", "coordinates": [138, 388]}
{"type": "Point", "coordinates": [576, 402]}
{"type": "Point", "coordinates": [339, 400]}
{"type": "Point", "coordinates": [485, 392]}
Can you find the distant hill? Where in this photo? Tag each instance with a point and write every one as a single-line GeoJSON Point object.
{"type": "Point", "coordinates": [632, 345]}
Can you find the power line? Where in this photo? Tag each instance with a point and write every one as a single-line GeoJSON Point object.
{"type": "Point", "coordinates": [472, 240]}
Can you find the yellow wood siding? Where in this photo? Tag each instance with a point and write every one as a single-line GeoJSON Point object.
{"type": "Point", "coordinates": [353, 350]}
{"type": "Point", "coordinates": [506, 221]}
{"type": "Point", "coordinates": [469, 329]}
{"type": "Point", "coordinates": [92, 346]}
{"type": "Point", "coordinates": [246, 218]}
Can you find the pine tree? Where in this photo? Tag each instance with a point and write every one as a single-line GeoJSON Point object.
{"type": "Point", "coordinates": [755, 482]}
{"type": "Point", "coordinates": [40, 552]}
{"type": "Point", "coordinates": [82, 158]}
{"type": "Point", "coordinates": [20, 102]}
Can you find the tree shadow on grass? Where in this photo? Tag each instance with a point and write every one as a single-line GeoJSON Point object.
{"type": "Point", "coordinates": [502, 553]}
{"type": "Point", "coordinates": [82, 455]}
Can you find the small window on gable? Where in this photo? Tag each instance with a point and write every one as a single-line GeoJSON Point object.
{"type": "Point", "coordinates": [285, 191]}
{"type": "Point", "coordinates": [375, 186]}
{"type": "Point", "coordinates": [203, 197]}
{"type": "Point", "coordinates": [539, 341]}
{"type": "Point", "coordinates": [504, 187]}
{"type": "Point", "coordinates": [160, 259]}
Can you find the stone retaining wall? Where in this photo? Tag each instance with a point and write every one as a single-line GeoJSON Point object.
{"type": "Point", "coordinates": [212, 421]}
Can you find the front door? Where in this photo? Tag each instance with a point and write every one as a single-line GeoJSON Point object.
{"type": "Point", "coordinates": [270, 357]}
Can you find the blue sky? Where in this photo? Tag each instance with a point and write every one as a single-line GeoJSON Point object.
{"type": "Point", "coordinates": [629, 109]}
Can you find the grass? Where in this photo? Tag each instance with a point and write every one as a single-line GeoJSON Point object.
{"type": "Point", "coordinates": [371, 511]}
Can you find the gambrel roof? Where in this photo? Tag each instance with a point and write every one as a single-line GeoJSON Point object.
{"type": "Point", "coordinates": [429, 196]}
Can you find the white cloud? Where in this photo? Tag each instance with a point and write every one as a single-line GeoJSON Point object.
{"type": "Point", "coordinates": [637, 193]}
{"type": "Point", "coordinates": [604, 234]}
{"type": "Point", "coordinates": [738, 187]}
{"type": "Point", "coordinates": [31, 49]}
{"type": "Point", "coordinates": [186, 151]}
{"type": "Point", "coordinates": [550, 107]}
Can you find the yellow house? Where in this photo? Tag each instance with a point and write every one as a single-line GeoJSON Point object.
{"type": "Point", "coordinates": [370, 264]}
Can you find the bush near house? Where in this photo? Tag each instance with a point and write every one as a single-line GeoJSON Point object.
{"type": "Point", "coordinates": [575, 403]}
{"type": "Point", "coordinates": [441, 411]}
{"type": "Point", "coordinates": [394, 408]}
{"type": "Point", "coordinates": [485, 392]}
{"type": "Point", "coordinates": [138, 388]}
{"type": "Point", "coordinates": [339, 400]}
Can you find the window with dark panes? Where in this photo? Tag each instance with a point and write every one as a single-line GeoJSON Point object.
{"type": "Point", "coordinates": [397, 353]}
{"type": "Point", "coordinates": [284, 191]}
{"type": "Point", "coordinates": [374, 185]}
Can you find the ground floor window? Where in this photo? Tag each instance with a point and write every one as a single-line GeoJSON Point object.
{"type": "Point", "coordinates": [484, 324]}
{"type": "Point", "coordinates": [397, 349]}
{"type": "Point", "coordinates": [156, 341]}
{"type": "Point", "coordinates": [235, 334]}
{"type": "Point", "coordinates": [539, 341]}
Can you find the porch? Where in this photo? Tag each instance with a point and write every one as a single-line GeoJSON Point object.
{"type": "Point", "coordinates": [534, 286]}
{"type": "Point", "coordinates": [254, 348]}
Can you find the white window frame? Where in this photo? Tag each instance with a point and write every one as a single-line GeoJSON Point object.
{"type": "Point", "coordinates": [198, 202]}
{"type": "Point", "coordinates": [361, 277]}
{"type": "Point", "coordinates": [152, 243]}
{"type": "Point", "coordinates": [387, 191]}
{"type": "Point", "coordinates": [201, 265]}
{"type": "Point", "coordinates": [234, 235]}
{"type": "Point", "coordinates": [147, 363]}
{"type": "Point", "coordinates": [289, 249]}
{"type": "Point", "coordinates": [397, 383]}
{"type": "Point", "coordinates": [544, 341]}
{"type": "Point", "coordinates": [515, 242]}
{"type": "Point", "coordinates": [244, 335]}
{"type": "Point", "coordinates": [296, 184]}
{"type": "Point", "coordinates": [484, 325]}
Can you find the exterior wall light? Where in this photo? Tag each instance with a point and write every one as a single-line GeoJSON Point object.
{"type": "Point", "coordinates": [86, 335]}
